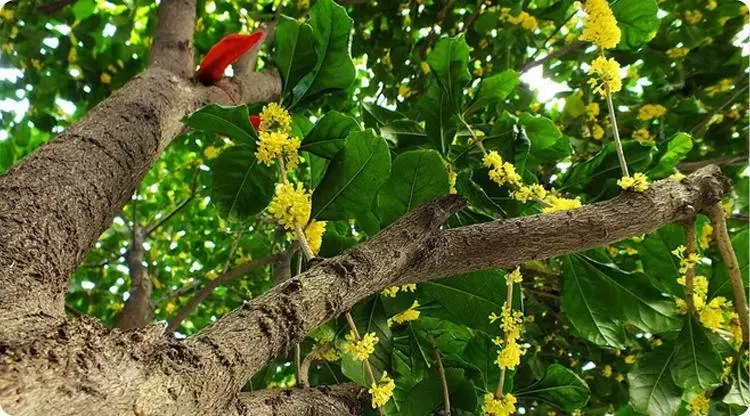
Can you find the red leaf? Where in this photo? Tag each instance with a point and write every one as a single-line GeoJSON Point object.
{"type": "Point", "coordinates": [223, 53]}
{"type": "Point", "coordinates": [255, 120]}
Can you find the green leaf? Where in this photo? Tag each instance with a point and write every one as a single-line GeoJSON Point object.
{"type": "Point", "coordinates": [559, 387]}
{"type": "Point", "coordinates": [652, 390]}
{"type": "Point", "coordinates": [426, 397]}
{"type": "Point", "coordinates": [328, 135]}
{"type": "Point", "coordinates": [637, 20]}
{"type": "Point", "coordinates": [241, 186]}
{"type": "Point", "coordinates": [293, 51]}
{"type": "Point", "coordinates": [334, 69]}
{"type": "Point", "coordinates": [232, 122]}
{"type": "Point", "coordinates": [418, 177]}
{"type": "Point", "coordinates": [449, 62]}
{"type": "Point", "coordinates": [485, 291]}
{"type": "Point", "coordinates": [440, 119]}
{"type": "Point", "coordinates": [494, 89]}
{"type": "Point", "coordinates": [353, 178]}
{"type": "Point", "coordinates": [695, 364]}
{"type": "Point", "coordinates": [720, 284]}
{"type": "Point", "coordinates": [378, 115]}
{"type": "Point", "coordinates": [574, 106]}
{"type": "Point", "coordinates": [480, 353]}
{"type": "Point", "coordinates": [547, 142]}
{"type": "Point", "coordinates": [369, 316]}
{"type": "Point", "coordinates": [404, 133]}
{"type": "Point", "coordinates": [678, 147]}
{"type": "Point", "coordinates": [83, 9]}
{"type": "Point", "coordinates": [659, 264]}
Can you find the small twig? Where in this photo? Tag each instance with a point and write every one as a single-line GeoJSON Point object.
{"type": "Point", "coordinates": [553, 34]}
{"type": "Point", "coordinates": [443, 379]}
{"type": "Point", "coordinates": [720, 161]}
{"type": "Point", "coordinates": [690, 247]}
{"type": "Point", "coordinates": [721, 235]}
{"type": "Point", "coordinates": [698, 127]}
{"type": "Point", "coordinates": [616, 134]}
{"type": "Point", "coordinates": [552, 55]}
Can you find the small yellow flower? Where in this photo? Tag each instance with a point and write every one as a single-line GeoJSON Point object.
{"type": "Point", "coordinates": [677, 176]}
{"type": "Point", "coordinates": [561, 204]}
{"type": "Point", "coordinates": [724, 85]}
{"type": "Point", "coordinates": [619, 377]}
{"type": "Point", "coordinates": [607, 371]}
{"type": "Point", "coordinates": [382, 390]}
{"type": "Point", "coordinates": [675, 53]}
{"type": "Point", "coordinates": [601, 25]}
{"type": "Point", "coordinates": [8, 48]}
{"type": "Point", "coordinates": [693, 16]}
{"type": "Point", "coordinates": [681, 306]}
{"type": "Point", "coordinates": [425, 67]}
{"type": "Point", "coordinates": [410, 314]}
{"type": "Point", "coordinates": [643, 136]}
{"type": "Point", "coordinates": [638, 182]}
{"type": "Point", "coordinates": [706, 236]}
{"type": "Point", "coordinates": [711, 317]}
{"type": "Point", "coordinates": [404, 91]}
{"type": "Point", "coordinates": [391, 292]}
{"type": "Point", "coordinates": [274, 117]}
{"type": "Point", "coordinates": [290, 206]}
{"type": "Point", "coordinates": [597, 132]}
{"type": "Point", "coordinates": [656, 342]}
{"type": "Point", "coordinates": [211, 152]}
{"type": "Point", "coordinates": [501, 172]}
{"type": "Point", "coordinates": [711, 5]}
{"type": "Point", "coordinates": [605, 76]}
{"type": "Point", "coordinates": [452, 176]}
{"type": "Point", "coordinates": [493, 317]}
{"type": "Point", "coordinates": [170, 308]}
{"type": "Point", "coordinates": [698, 405]}
{"type": "Point", "coordinates": [509, 356]}
{"type": "Point", "coordinates": [409, 287]}
{"type": "Point", "coordinates": [630, 359]}
{"type": "Point", "coordinates": [525, 193]}
{"type": "Point", "coordinates": [504, 406]}
{"type": "Point", "coordinates": [360, 349]}
{"type": "Point", "coordinates": [514, 277]}
{"type": "Point", "coordinates": [314, 235]}
{"type": "Point", "coordinates": [273, 145]}
{"type": "Point", "coordinates": [592, 110]}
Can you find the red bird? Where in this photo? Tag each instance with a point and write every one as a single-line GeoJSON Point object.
{"type": "Point", "coordinates": [223, 53]}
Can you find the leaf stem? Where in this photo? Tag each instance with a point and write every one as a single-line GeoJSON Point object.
{"type": "Point", "coordinates": [443, 379]}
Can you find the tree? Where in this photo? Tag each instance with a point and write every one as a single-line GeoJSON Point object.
{"type": "Point", "coordinates": [376, 210]}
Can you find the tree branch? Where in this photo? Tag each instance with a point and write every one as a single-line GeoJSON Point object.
{"type": "Point", "coordinates": [720, 161]}
{"type": "Point", "coordinates": [173, 42]}
{"type": "Point", "coordinates": [224, 278]}
{"type": "Point", "coordinates": [336, 400]}
{"type": "Point", "coordinates": [137, 310]}
{"type": "Point", "coordinates": [552, 55]}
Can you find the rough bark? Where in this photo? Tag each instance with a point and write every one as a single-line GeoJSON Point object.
{"type": "Point", "coordinates": [202, 374]}
{"type": "Point", "coordinates": [336, 400]}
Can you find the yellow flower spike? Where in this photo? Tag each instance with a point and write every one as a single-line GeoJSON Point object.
{"type": "Point", "coordinates": [382, 390]}
{"type": "Point", "coordinates": [706, 236]}
{"type": "Point", "coordinates": [561, 204]}
{"type": "Point", "coordinates": [501, 172]}
{"type": "Point", "coordinates": [274, 117]}
{"type": "Point", "coordinates": [291, 206]}
{"type": "Point", "coordinates": [504, 406]}
{"type": "Point", "coordinates": [605, 75]}
{"type": "Point", "coordinates": [452, 176]}
{"type": "Point", "coordinates": [638, 182]}
{"type": "Point", "coordinates": [597, 132]}
{"type": "Point", "coordinates": [410, 314]}
{"type": "Point", "coordinates": [409, 287]}
{"type": "Point", "coordinates": [601, 25]}
{"type": "Point", "coordinates": [698, 405]}
{"type": "Point", "coordinates": [711, 317]}
{"type": "Point", "coordinates": [514, 277]}
{"type": "Point", "coordinates": [592, 110]}
{"type": "Point", "coordinates": [525, 193]}
{"type": "Point", "coordinates": [391, 292]}
{"type": "Point", "coordinates": [360, 349]}
{"type": "Point", "coordinates": [681, 306]}
{"type": "Point", "coordinates": [693, 16]}
{"type": "Point", "coordinates": [274, 145]}
{"type": "Point", "coordinates": [650, 111]}
{"type": "Point", "coordinates": [314, 235]}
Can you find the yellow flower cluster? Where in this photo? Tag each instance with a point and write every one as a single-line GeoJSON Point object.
{"type": "Point", "coordinates": [504, 406]}
{"type": "Point", "coordinates": [638, 182]}
{"type": "Point", "coordinates": [392, 291]}
{"type": "Point", "coordinates": [630, 359]}
{"type": "Point", "coordinates": [561, 204]}
{"type": "Point", "coordinates": [711, 5]}
{"type": "Point", "coordinates": [605, 76]}
{"type": "Point", "coordinates": [291, 206]}
{"type": "Point", "coordinates": [676, 53]}
{"type": "Point", "coordinates": [724, 85]}
{"type": "Point", "coordinates": [601, 25]}
{"type": "Point", "coordinates": [275, 145]}
{"type": "Point", "coordinates": [501, 172]}
{"type": "Point", "coordinates": [597, 132]}
{"type": "Point", "coordinates": [326, 351]}
{"type": "Point", "coordinates": [274, 117]}
{"type": "Point", "coordinates": [693, 16]}
{"type": "Point", "coordinates": [314, 235]}
{"type": "Point", "coordinates": [360, 349]}
{"type": "Point", "coordinates": [525, 193]}
{"type": "Point", "coordinates": [410, 314]}
{"type": "Point", "coordinates": [211, 152]}
{"type": "Point", "coordinates": [382, 390]}
{"type": "Point", "coordinates": [592, 111]}
{"type": "Point", "coordinates": [524, 19]}
{"type": "Point", "coordinates": [706, 236]}
{"type": "Point", "coordinates": [607, 371]}
{"type": "Point", "coordinates": [452, 176]}
{"type": "Point", "coordinates": [643, 136]}
{"type": "Point", "coordinates": [511, 322]}
{"type": "Point", "coordinates": [649, 111]}
{"type": "Point", "coordinates": [698, 405]}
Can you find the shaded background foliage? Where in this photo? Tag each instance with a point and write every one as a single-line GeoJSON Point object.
{"type": "Point", "coordinates": [60, 58]}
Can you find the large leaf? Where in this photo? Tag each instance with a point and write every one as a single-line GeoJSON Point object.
{"type": "Point", "coordinates": [659, 264]}
{"type": "Point", "coordinates": [637, 20]}
{"type": "Point", "coordinates": [449, 62]}
{"type": "Point", "coordinates": [440, 118]}
{"type": "Point", "coordinates": [559, 387]}
{"type": "Point", "coordinates": [328, 135]}
{"type": "Point", "coordinates": [293, 51]}
{"type": "Point", "coordinates": [494, 89]}
{"type": "Point", "coordinates": [720, 284]}
{"type": "Point", "coordinates": [652, 390]}
{"type": "Point", "coordinates": [418, 177]}
{"type": "Point", "coordinates": [485, 291]}
{"type": "Point", "coordinates": [427, 396]}
{"type": "Point", "coordinates": [678, 147]}
{"type": "Point", "coordinates": [353, 178]}
{"type": "Point", "coordinates": [334, 69]}
{"type": "Point", "coordinates": [375, 115]}
{"type": "Point", "coordinates": [695, 363]}
{"type": "Point", "coordinates": [241, 186]}
{"type": "Point", "coordinates": [404, 133]}
{"type": "Point", "coordinates": [547, 142]}
{"type": "Point", "coordinates": [232, 122]}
